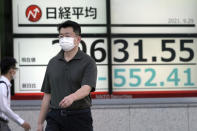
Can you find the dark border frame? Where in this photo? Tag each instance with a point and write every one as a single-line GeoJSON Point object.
{"type": "Point", "coordinates": [7, 49]}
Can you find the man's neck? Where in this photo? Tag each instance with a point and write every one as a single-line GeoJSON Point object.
{"type": "Point", "coordinates": [70, 54]}
{"type": "Point", "coordinates": [8, 77]}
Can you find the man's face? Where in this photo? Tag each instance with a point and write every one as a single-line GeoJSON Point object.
{"type": "Point", "coordinates": [68, 32]}
{"type": "Point", "coordinates": [12, 72]}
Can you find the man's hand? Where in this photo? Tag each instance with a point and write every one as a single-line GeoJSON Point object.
{"type": "Point", "coordinates": [67, 101]}
{"type": "Point", "coordinates": [40, 127]}
{"type": "Point", "coordinates": [26, 126]}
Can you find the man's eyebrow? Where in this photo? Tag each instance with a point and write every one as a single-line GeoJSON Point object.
{"type": "Point", "coordinates": [66, 33]}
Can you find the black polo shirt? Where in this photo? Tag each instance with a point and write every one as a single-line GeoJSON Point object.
{"type": "Point", "coordinates": [63, 78]}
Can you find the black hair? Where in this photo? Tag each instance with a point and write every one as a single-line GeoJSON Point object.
{"type": "Point", "coordinates": [6, 64]}
{"type": "Point", "coordinates": [76, 27]}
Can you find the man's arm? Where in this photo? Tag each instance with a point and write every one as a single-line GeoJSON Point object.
{"type": "Point", "coordinates": [78, 95]}
{"type": "Point", "coordinates": [5, 108]}
{"type": "Point", "coordinates": [8, 111]}
{"type": "Point", "coordinates": [43, 111]}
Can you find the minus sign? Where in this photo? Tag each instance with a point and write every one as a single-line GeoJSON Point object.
{"type": "Point", "coordinates": [102, 78]}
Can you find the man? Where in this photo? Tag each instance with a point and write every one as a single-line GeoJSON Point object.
{"type": "Point", "coordinates": [8, 70]}
{"type": "Point", "coordinates": [69, 79]}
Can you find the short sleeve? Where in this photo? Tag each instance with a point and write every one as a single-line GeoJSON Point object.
{"type": "Point", "coordinates": [46, 85]}
{"type": "Point", "coordinates": [90, 75]}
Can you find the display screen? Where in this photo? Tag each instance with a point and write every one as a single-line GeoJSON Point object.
{"type": "Point", "coordinates": [154, 64]}
{"type": "Point", "coordinates": [138, 45]}
{"type": "Point", "coordinates": [32, 16]}
{"type": "Point", "coordinates": [154, 16]}
{"type": "Point", "coordinates": [33, 56]}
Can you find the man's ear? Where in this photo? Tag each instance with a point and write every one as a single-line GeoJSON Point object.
{"type": "Point", "coordinates": [11, 71]}
{"type": "Point", "coordinates": [78, 39]}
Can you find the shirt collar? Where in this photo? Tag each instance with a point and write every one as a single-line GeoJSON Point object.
{"type": "Point", "coordinates": [78, 55]}
{"type": "Point", "coordinates": [5, 79]}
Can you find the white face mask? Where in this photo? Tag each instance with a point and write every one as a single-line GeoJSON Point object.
{"type": "Point", "coordinates": [67, 43]}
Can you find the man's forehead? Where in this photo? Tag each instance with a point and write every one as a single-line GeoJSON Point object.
{"type": "Point", "coordinates": [67, 30]}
